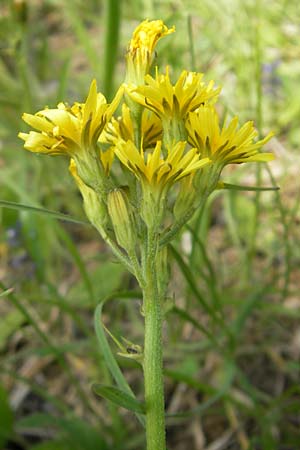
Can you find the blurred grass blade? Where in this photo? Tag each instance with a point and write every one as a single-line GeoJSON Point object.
{"type": "Point", "coordinates": [34, 209]}
{"type": "Point", "coordinates": [6, 292]}
{"type": "Point", "coordinates": [113, 16]}
{"type": "Point", "coordinates": [189, 278]}
{"type": "Point", "coordinates": [191, 42]}
{"type": "Point", "coordinates": [54, 444]}
{"type": "Point", "coordinates": [186, 272]}
{"type": "Point", "coordinates": [78, 261]}
{"type": "Point", "coordinates": [77, 432]}
{"type": "Point", "coordinates": [11, 322]}
{"type": "Point", "coordinates": [212, 280]}
{"type": "Point", "coordinates": [37, 389]}
{"type": "Point", "coordinates": [246, 310]}
{"type": "Point", "coordinates": [229, 373]}
{"type": "Point", "coordinates": [35, 323]}
{"type": "Point", "coordinates": [184, 315]}
{"type": "Point", "coordinates": [75, 17]}
{"type": "Point", "coordinates": [62, 80]}
{"type": "Point", "coordinates": [6, 415]}
{"type": "Point", "coordinates": [236, 187]}
{"type": "Point", "coordinates": [110, 359]}
{"type": "Point", "coordinates": [119, 397]}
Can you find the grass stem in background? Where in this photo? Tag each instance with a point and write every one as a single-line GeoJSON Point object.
{"type": "Point", "coordinates": [112, 32]}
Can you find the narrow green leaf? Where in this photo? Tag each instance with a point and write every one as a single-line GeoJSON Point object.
{"type": "Point", "coordinates": [236, 187]}
{"type": "Point", "coordinates": [110, 359]}
{"type": "Point", "coordinates": [119, 397]}
{"type": "Point", "coordinates": [34, 209]}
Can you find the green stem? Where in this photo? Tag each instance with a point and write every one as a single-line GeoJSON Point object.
{"type": "Point", "coordinates": [113, 19]}
{"type": "Point", "coordinates": [153, 359]}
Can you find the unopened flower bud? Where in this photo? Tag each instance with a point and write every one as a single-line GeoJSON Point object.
{"type": "Point", "coordinates": [94, 208]}
{"type": "Point", "coordinates": [120, 213]}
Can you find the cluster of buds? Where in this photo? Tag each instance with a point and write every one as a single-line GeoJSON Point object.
{"type": "Point", "coordinates": [167, 140]}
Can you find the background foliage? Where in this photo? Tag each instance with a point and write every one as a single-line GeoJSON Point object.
{"type": "Point", "coordinates": [232, 336]}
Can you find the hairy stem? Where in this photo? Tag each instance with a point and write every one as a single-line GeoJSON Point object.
{"type": "Point", "coordinates": [153, 359]}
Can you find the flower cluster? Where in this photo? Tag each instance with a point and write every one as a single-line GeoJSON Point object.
{"type": "Point", "coordinates": [167, 140]}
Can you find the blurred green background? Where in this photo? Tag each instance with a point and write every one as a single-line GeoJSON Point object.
{"type": "Point", "coordinates": [233, 385]}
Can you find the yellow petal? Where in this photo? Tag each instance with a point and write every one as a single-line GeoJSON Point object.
{"type": "Point", "coordinates": [37, 122]}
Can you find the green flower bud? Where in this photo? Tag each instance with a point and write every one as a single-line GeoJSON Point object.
{"type": "Point", "coordinates": [94, 206]}
{"type": "Point", "coordinates": [121, 216]}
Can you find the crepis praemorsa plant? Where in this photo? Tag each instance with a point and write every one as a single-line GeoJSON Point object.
{"type": "Point", "coordinates": [142, 175]}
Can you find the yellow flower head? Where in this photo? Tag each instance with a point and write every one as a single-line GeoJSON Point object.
{"type": "Point", "coordinates": [141, 49]}
{"type": "Point", "coordinates": [157, 170]}
{"type": "Point", "coordinates": [175, 101]}
{"type": "Point", "coordinates": [69, 130]}
{"type": "Point", "coordinates": [224, 145]}
{"type": "Point", "coordinates": [123, 127]}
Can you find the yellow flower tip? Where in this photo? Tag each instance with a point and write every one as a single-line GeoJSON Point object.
{"type": "Point", "coordinates": [92, 94]}
{"type": "Point", "coordinates": [23, 136]}
{"type": "Point", "coordinates": [93, 85]}
{"type": "Point", "coordinates": [115, 102]}
{"type": "Point", "coordinates": [141, 49]}
{"type": "Point", "coordinates": [91, 101]}
{"type": "Point", "coordinates": [147, 34]}
{"type": "Point", "coordinates": [25, 116]}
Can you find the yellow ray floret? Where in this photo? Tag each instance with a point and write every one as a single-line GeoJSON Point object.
{"type": "Point", "coordinates": [69, 130]}
{"type": "Point", "coordinates": [168, 100]}
{"type": "Point", "coordinates": [227, 144]}
{"type": "Point", "coordinates": [155, 169]}
{"type": "Point", "coordinates": [141, 49]}
{"type": "Point", "coordinates": [107, 158]}
{"type": "Point", "coordinates": [123, 127]}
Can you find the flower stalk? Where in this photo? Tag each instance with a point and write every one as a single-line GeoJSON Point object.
{"type": "Point", "coordinates": [153, 357]}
